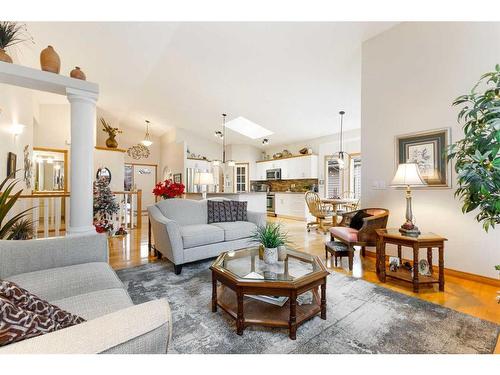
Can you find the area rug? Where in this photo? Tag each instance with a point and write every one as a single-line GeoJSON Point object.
{"type": "Point", "coordinates": [361, 318]}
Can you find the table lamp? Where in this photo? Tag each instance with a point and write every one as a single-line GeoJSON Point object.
{"type": "Point", "coordinates": [408, 175]}
{"type": "Point", "coordinates": [203, 179]}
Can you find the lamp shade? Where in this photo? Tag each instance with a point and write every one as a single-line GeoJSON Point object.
{"type": "Point", "coordinates": [203, 178]}
{"type": "Point", "coordinates": [407, 175]}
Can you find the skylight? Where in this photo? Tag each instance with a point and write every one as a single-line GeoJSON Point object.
{"type": "Point", "coordinates": [248, 128]}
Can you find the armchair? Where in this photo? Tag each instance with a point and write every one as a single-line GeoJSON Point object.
{"type": "Point", "coordinates": [365, 236]}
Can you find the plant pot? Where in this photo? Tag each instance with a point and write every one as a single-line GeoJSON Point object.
{"type": "Point", "coordinates": [78, 74]}
{"type": "Point", "coordinates": [270, 255]}
{"type": "Point", "coordinates": [50, 61]}
{"type": "Point", "coordinates": [4, 57]}
{"type": "Point", "coordinates": [281, 253]}
{"type": "Point", "coordinates": [111, 142]}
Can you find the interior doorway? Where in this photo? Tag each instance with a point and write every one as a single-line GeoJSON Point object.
{"type": "Point", "coordinates": [143, 177]}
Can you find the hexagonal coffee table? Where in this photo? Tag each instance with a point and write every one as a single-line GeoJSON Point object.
{"type": "Point", "coordinates": [242, 274]}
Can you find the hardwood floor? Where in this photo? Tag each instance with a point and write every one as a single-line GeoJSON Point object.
{"type": "Point", "coordinates": [467, 296]}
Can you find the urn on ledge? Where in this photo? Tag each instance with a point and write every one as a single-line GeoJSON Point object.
{"type": "Point", "coordinates": [50, 61]}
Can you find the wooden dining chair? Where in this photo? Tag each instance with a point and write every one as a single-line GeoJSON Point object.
{"type": "Point", "coordinates": [321, 211]}
{"type": "Point", "coordinates": [348, 207]}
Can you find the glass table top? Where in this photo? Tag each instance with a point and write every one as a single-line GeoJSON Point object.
{"type": "Point", "coordinates": [246, 265]}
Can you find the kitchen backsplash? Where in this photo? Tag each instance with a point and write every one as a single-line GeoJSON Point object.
{"type": "Point", "coordinates": [291, 185]}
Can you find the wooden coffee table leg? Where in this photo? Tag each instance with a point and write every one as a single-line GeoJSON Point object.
{"type": "Point", "coordinates": [323, 300]}
{"type": "Point", "coordinates": [214, 293]}
{"type": "Point", "coordinates": [415, 269]}
{"type": "Point", "coordinates": [381, 261]}
{"type": "Point", "coordinates": [429, 259]}
{"type": "Point", "coordinates": [293, 315]}
{"type": "Point", "coordinates": [240, 321]}
{"type": "Point", "coordinates": [441, 268]}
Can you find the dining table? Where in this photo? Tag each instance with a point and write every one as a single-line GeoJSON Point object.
{"type": "Point", "coordinates": [335, 203]}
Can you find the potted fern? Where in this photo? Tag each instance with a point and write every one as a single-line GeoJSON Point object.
{"type": "Point", "coordinates": [270, 236]}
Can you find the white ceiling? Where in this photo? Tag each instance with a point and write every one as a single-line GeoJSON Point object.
{"type": "Point", "coordinates": [291, 78]}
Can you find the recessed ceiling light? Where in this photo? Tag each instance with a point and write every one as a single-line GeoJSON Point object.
{"type": "Point", "coordinates": [248, 128]}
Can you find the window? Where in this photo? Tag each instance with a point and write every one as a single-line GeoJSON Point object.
{"type": "Point", "coordinates": [334, 179]}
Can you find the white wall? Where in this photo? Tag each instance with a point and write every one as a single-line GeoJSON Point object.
{"type": "Point", "coordinates": [16, 107]}
{"type": "Point", "coordinates": [114, 161]}
{"type": "Point", "coordinates": [199, 145]}
{"type": "Point", "coordinates": [53, 126]}
{"type": "Point", "coordinates": [245, 154]}
{"type": "Point", "coordinates": [410, 75]}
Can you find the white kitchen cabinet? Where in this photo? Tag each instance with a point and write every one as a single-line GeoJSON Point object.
{"type": "Point", "coordinates": [295, 168]}
{"type": "Point", "coordinates": [292, 205]}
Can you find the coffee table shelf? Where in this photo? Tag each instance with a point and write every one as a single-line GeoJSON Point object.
{"type": "Point", "coordinates": [405, 275]}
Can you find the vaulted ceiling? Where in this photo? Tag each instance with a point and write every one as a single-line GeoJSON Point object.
{"type": "Point", "coordinates": [291, 78]}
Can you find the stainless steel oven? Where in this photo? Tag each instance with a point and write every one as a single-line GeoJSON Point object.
{"type": "Point", "coordinates": [270, 204]}
{"type": "Point", "coordinates": [273, 174]}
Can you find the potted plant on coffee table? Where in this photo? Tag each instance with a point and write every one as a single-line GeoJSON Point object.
{"type": "Point", "coordinates": [270, 236]}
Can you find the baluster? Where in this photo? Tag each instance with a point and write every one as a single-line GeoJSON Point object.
{"type": "Point", "coordinates": [36, 216]}
{"type": "Point", "coordinates": [46, 217]}
{"type": "Point", "coordinates": [132, 201]}
{"type": "Point", "coordinates": [57, 215]}
{"type": "Point", "coordinates": [66, 213]}
{"type": "Point", "coordinates": [126, 213]}
{"type": "Point", "coordinates": [121, 217]}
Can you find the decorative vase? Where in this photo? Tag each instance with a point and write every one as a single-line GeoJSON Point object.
{"type": "Point", "coordinates": [4, 57]}
{"type": "Point", "coordinates": [270, 255]}
{"type": "Point", "coordinates": [78, 74]}
{"type": "Point", "coordinates": [111, 142]}
{"type": "Point", "coordinates": [281, 253]}
{"type": "Point", "coordinates": [50, 61]}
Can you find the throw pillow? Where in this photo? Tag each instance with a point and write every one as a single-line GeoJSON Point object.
{"type": "Point", "coordinates": [239, 210]}
{"type": "Point", "coordinates": [25, 300]}
{"type": "Point", "coordinates": [219, 211]}
{"type": "Point", "coordinates": [357, 220]}
{"type": "Point", "coordinates": [17, 324]}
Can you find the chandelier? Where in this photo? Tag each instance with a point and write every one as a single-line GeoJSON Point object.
{"type": "Point", "coordinates": [222, 135]}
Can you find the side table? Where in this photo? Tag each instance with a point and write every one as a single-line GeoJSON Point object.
{"type": "Point", "coordinates": [424, 240]}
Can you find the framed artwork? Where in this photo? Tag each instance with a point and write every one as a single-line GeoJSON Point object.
{"type": "Point", "coordinates": [11, 164]}
{"type": "Point", "coordinates": [428, 151]}
{"type": "Point", "coordinates": [178, 178]}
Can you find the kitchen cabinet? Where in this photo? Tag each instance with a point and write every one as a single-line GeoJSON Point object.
{"type": "Point", "coordinates": [294, 168]}
{"type": "Point", "coordinates": [291, 205]}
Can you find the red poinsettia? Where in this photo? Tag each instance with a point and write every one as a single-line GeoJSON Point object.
{"type": "Point", "coordinates": [168, 189]}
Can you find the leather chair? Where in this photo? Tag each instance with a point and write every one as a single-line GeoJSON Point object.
{"type": "Point", "coordinates": [363, 237]}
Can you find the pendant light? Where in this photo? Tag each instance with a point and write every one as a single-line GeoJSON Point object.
{"type": "Point", "coordinates": [147, 138]}
{"type": "Point", "coordinates": [222, 135]}
{"type": "Point", "coordinates": [341, 155]}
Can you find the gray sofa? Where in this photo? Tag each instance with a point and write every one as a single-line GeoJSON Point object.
{"type": "Point", "coordinates": [182, 235]}
{"type": "Point", "coordinates": [73, 273]}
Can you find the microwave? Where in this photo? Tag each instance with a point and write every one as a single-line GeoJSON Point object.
{"type": "Point", "coordinates": [273, 174]}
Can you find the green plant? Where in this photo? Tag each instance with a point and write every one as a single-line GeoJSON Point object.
{"type": "Point", "coordinates": [7, 201]}
{"type": "Point", "coordinates": [270, 235]}
{"type": "Point", "coordinates": [477, 160]}
{"type": "Point", "coordinates": [21, 230]}
{"type": "Point", "coordinates": [12, 33]}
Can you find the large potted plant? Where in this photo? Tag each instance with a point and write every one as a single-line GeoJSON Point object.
{"type": "Point", "coordinates": [477, 160]}
{"type": "Point", "coordinates": [271, 237]}
{"type": "Point", "coordinates": [11, 33]}
{"type": "Point", "coordinates": [168, 189]}
{"type": "Point", "coordinates": [12, 228]}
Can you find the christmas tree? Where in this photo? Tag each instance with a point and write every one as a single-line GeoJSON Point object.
{"type": "Point", "coordinates": [105, 205]}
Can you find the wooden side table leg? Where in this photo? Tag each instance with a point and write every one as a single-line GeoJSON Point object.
{"type": "Point", "coordinates": [441, 268]}
{"type": "Point", "coordinates": [214, 292]}
{"type": "Point", "coordinates": [351, 257]}
{"type": "Point", "coordinates": [381, 260]}
{"type": "Point", "coordinates": [400, 256]}
{"type": "Point", "coordinates": [415, 269]}
{"type": "Point", "coordinates": [292, 324]}
{"type": "Point", "coordinates": [429, 259]}
{"type": "Point", "coordinates": [240, 321]}
{"type": "Point", "coordinates": [377, 255]}
{"type": "Point", "coordinates": [323, 300]}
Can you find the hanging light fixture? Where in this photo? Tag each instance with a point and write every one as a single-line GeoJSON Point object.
{"type": "Point", "coordinates": [222, 135]}
{"type": "Point", "coordinates": [265, 141]}
{"type": "Point", "coordinates": [341, 155]}
{"type": "Point", "coordinates": [147, 138]}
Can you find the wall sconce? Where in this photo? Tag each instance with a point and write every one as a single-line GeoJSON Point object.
{"type": "Point", "coordinates": [17, 129]}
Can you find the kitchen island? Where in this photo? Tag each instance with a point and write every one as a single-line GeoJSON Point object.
{"type": "Point", "coordinates": [256, 200]}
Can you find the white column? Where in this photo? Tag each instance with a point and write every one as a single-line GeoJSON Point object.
{"type": "Point", "coordinates": [83, 123]}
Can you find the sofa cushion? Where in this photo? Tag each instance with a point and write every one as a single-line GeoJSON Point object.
{"type": "Point", "coordinates": [345, 233]}
{"type": "Point", "coordinates": [25, 300]}
{"type": "Point", "coordinates": [57, 283]}
{"type": "Point", "coordinates": [239, 210]}
{"type": "Point", "coordinates": [219, 211]}
{"type": "Point", "coordinates": [184, 211]}
{"type": "Point", "coordinates": [95, 304]}
{"type": "Point", "coordinates": [201, 234]}
{"type": "Point", "coordinates": [236, 229]}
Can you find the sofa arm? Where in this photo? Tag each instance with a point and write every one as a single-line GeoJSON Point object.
{"type": "Point", "coordinates": [139, 329]}
{"type": "Point", "coordinates": [34, 255]}
{"type": "Point", "coordinates": [167, 236]}
{"type": "Point", "coordinates": [258, 218]}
